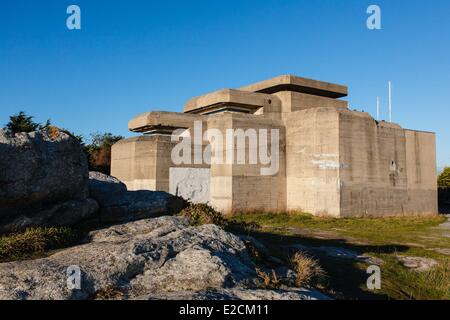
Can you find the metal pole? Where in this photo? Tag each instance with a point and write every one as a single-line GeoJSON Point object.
{"type": "Point", "coordinates": [390, 102]}
{"type": "Point", "coordinates": [378, 108]}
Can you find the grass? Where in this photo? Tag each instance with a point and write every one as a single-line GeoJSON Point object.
{"type": "Point", "coordinates": [374, 230]}
{"type": "Point", "coordinates": [109, 293]}
{"type": "Point", "coordinates": [35, 242]}
{"type": "Point", "coordinates": [269, 281]}
{"type": "Point", "coordinates": [382, 238]}
{"type": "Point", "coordinates": [308, 270]}
{"type": "Point", "coordinates": [200, 214]}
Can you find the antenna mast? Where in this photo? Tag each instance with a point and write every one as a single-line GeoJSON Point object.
{"type": "Point", "coordinates": [390, 101]}
{"type": "Point", "coordinates": [378, 108]}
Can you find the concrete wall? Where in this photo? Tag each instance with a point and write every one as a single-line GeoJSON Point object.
{"type": "Point", "coordinates": [312, 161]}
{"type": "Point", "coordinates": [332, 161]}
{"type": "Point", "coordinates": [296, 101]}
{"type": "Point", "coordinates": [190, 183]}
{"type": "Point", "coordinates": [133, 161]}
{"type": "Point", "coordinates": [421, 172]}
{"type": "Point", "coordinates": [242, 187]}
{"type": "Point", "coordinates": [373, 173]}
{"type": "Point", "coordinates": [386, 170]}
{"type": "Point", "coordinates": [143, 163]}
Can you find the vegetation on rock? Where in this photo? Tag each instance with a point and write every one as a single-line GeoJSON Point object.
{"type": "Point", "coordinates": [98, 151]}
{"type": "Point", "coordinates": [34, 241]}
{"type": "Point", "coordinates": [200, 214]}
{"type": "Point", "coordinates": [22, 122]}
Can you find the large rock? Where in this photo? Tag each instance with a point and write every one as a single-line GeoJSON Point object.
{"type": "Point", "coordinates": [104, 187]}
{"type": "Point", "coordinates": [43, 180]}
{"type": "Point", "coordinates": [419, 264]}
{"type": "Point", "coordinates": [146, 259]}
{"type": "Point", "coordinates": [241, 294]}
{"type": "Point", "coordinates": [67, 213]}
{"type": "Point", "coordinates": [117, 205]}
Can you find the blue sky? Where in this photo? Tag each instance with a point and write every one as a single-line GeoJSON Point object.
{"type": "Point", "coordinates": [136, 56]}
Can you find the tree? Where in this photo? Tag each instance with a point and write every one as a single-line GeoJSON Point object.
{"type": "Point", "coordinates": [99, 151]}
{"type": "Point", "coordinates": [444, 178]}
{"type": "Point", "coordinates": [21, 122]}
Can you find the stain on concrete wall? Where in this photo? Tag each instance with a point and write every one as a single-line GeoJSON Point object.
{"type": "Point", "coordinates": [190, 183]}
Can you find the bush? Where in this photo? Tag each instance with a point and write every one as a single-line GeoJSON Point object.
{"type": "Point", "coordinates": [22, 122]}
{"type": "Point", "coordinates": [200, 214]}
{"type": "Point", "coordinates": [34, 241]}
{"type": "Point", "coordinates": [99, 151]}
{"type": "Point", "coordinates": [269, 281]}
{"type": "Point", "coordinates": [444, 178]}
{"type": "Point", "coordinates": [308, 270]}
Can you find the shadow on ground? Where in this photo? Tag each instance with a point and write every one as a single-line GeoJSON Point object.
{"type": "Point", "coordinates": [346, 277]}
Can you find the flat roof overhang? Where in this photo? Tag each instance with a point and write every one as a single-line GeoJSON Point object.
{"type": "Point", "coordinates": [245, 101]}
{"type": "Point", "coordinates": [298, 84]}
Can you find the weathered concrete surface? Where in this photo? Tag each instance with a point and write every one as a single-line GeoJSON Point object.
{"type": "Point", "coordinates": [298, 84]}
{"type": "Point", "coordinates": [234, 185]}
{"type": "Point", "coordinates": [332, 161]}
{"type": "Point", "coordinates": [246, 101]}
{"type": "Point", "coordinates": [148, 121]}
{"type": "Point", "coordinates": [312, 161]}
{"type": "Point", "coordinates": [190, 183]}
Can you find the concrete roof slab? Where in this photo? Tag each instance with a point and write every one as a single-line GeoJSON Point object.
{"type": "Point", "coordinates": [298, 84]}
{"type": "Point", "coordinates": [231, 97]}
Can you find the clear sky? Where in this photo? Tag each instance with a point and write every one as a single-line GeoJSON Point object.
{"type": "Point", "coordinates": [135, 56]}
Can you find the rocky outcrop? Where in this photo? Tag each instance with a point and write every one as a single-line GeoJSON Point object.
{"type": "Point", "coordinates": [240, 294]}
{"type": "Point", "coordinates": [67, 213]}
{"type": "Point", "coordinates": [160, 258]}
{"type": "Point", "coordinates": [117, 205]}
{"type": "Point", "coordinates": [419, 264]}
{"type": "Point", "coordinates": [43, 179]}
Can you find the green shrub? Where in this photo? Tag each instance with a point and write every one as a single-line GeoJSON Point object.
{"type": "Point", "coordinates": [200, 214]}
{"type": "Point", "coordinates": [98, 151]}
{"type": "Point", "coordinates": [22, 122]}
{"type": "Point", "coordinates": [34, 241]}
{"type": "Point", "coordinates": [444, 178]}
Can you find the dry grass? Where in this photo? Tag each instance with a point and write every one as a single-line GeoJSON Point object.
{"type": "Point", "coordinates": [53, 132]}
{"type": "Point", "coordinates": [34, 241]}
{"type": "Point", "coordinates": [200, 214]}
{"type": "Point", "coordinates": [109, 293]}
{"type": "Point", "coordinates": [269, 281]}
{"type": "Point", "coordinates": [381, 238]}
{"type": "Point", "coordinates": [308, 270]}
